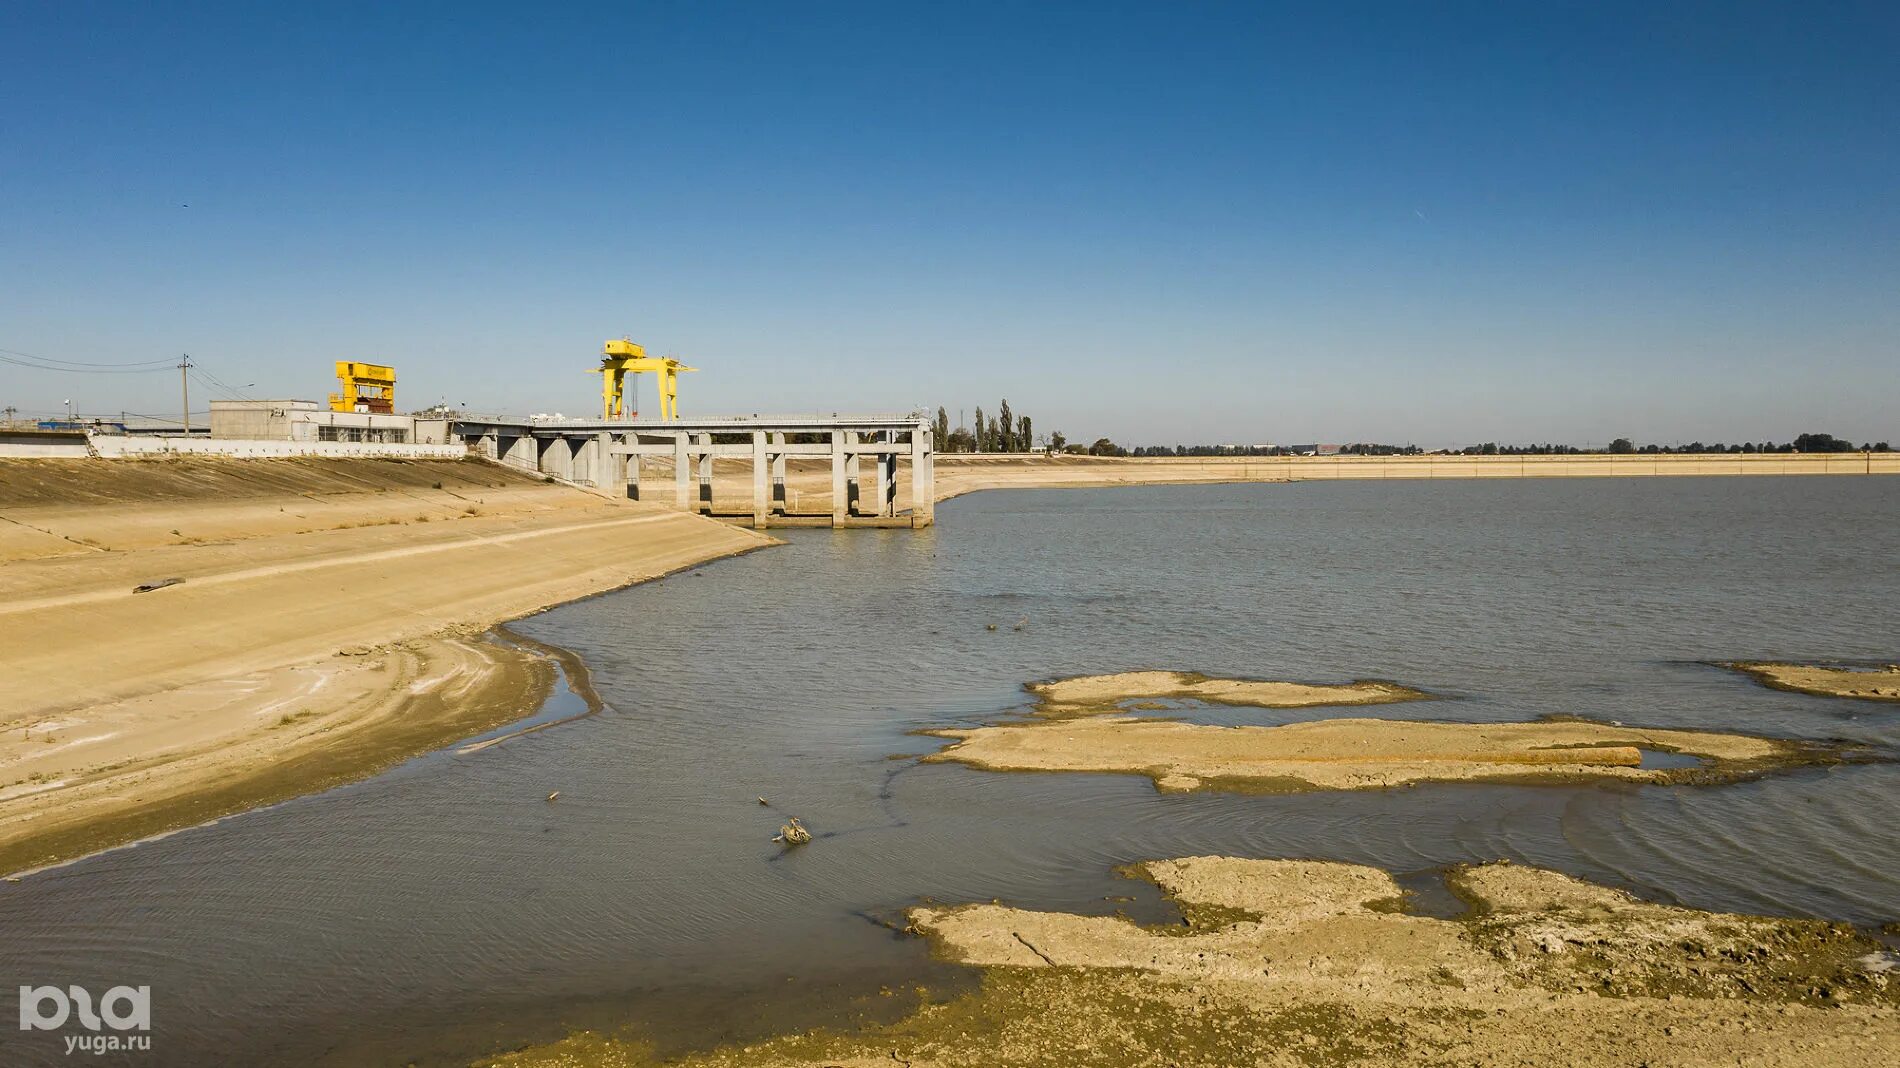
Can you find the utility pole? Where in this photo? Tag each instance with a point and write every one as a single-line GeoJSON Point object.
{"type": "Point", "coordinates": [184, 388]}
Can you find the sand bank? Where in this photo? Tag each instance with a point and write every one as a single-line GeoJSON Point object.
{"type": "Point", "coordinates": [957, 475]}
{"type": "Point", "coordinates": [1311, 963]}
{"type": "Point", "coordinates": [1360, 754]}
{"type": "Point", "coordinates": [962, 473]}
{"type": "Point", "coordinates": [1083, 694]}
{"type": "Point", "coordinates": [1868, 684]}
{"type": "Point", "coordinates": [124, 715]}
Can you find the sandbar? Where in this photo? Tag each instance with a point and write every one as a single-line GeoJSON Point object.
{"type": "Point", "coordinates": [1083, 694]}
{"type": "Point", "coordinates": [1361, 753]}
{"type": "Point", "coordinates": [1868, 684]}
{"type": "Point", "coordinates": [1289, 962]}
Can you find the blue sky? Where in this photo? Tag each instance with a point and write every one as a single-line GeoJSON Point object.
{"type": "Point", "coordinates": [1163, 223]}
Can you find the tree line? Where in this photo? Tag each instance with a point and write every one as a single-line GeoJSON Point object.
{"type": "Point", "coordinates": [1004, 431]}
{"type": "Point", "coordinates": [1626, 447]}
{"type": "Point", "coordinates": [1007, 432]}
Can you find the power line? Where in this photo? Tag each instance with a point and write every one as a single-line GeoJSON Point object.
{"type": "Point", "coordinates": [54, 363]}
{"type": "Point", "coordinates": [81, 370]}
{"type": "Point", "coordinates": [213, 382]}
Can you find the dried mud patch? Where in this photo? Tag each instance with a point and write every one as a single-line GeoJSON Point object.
{"type": "Point", "coordinates": [1305, 963]}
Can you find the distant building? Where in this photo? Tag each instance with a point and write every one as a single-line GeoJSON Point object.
{"type": "Point", "coordinates": [304, 420]}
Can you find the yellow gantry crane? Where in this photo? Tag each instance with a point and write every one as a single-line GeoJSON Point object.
{"type": "Point", "coordinates": [617, 359]}
{"type": "Point", "coordinates": [370, 386]}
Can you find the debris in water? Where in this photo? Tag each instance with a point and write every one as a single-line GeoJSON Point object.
{"type": "Point", "coordinates": [763, 801]}
{"type": "Point", "coordinates": [793, 833]}
{"type": "Point", "coordinates": [1021, 623]}
{"type": "Point", "coordinates": [990, 626]}
{"type": "Point", "coordinates": [554, 795]}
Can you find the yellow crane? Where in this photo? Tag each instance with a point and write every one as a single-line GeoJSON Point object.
{"type": "Point", "coordinates": [372, 386]}
{"type": "Point", "coordinates": [621, 356]}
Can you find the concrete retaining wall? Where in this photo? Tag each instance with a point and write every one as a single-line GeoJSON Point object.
{"type": "Point", "coordinates": [1844, 463]}
{"type": "Point", "coordinates": [136, 445]}
{"type": "Point", "coordinates": [43, 443]}
{"type": "Point", "coordinates": [1375, 467]}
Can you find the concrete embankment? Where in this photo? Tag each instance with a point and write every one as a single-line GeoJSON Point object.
{"type": "Point", "coordinates": [328, 623]}
{"type": "Point", "coordinates": [960, 474]}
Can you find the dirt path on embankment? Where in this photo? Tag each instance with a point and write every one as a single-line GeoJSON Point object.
{"type": "Point", "coordinates": [330, 622]}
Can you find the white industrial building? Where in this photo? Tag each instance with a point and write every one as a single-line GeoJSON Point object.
{"type": "Point", "coordinates": [305, 420]}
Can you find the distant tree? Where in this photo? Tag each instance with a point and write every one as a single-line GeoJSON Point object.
{"type": "Point", "coordinates": [1821, 443]}
{"type": "Point", "coordinates": [940, 429]}
{"type": "Point", "coordinates": [1057, 441]}
{"type": "Point", "coordinates": [981, 430]}
{"type": "Point", "coordinates": [1005, 428]}
{"type": "Point", "coordinates": [1025, 440]}
{"type": "Point", "coordinates": [1622, 445]}
{"type": "Point", "coordinates": [1104, 447]}
{"type": "Point", "coordinates": [959, 440]}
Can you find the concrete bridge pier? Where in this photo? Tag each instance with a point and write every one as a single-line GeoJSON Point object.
{"type": "Point", "coordinates": [840, 488]}
{"type": "Point", "coordinates": [683, 497]}
{"type": "Point", "coordinates": [853, 473]}
{"type": "Point", "coordinates": [923, 480]}
{"type": "Point", "coordinates": [705, 502]}
{"type": "Point", "coordinates": [778, 472]}
{"type": "Point", "coordinates": [519, 450]}
{"type": "Point", "coordinates": [887, 477]}
{"type": "Point", "coordinates": [761, 481]}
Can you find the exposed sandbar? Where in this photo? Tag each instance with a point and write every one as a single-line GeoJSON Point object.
{"type": "Point", "coordinates": [1103, 693]}
{"type": "Point", "coordinates": [1868, 684]}
{"type": "Point", "coordinates": [1359, 754]}
{"type": "Point", "coordinates": [1311, 963]}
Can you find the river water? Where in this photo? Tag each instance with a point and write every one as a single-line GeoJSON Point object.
{"type": "Point", "coordinates": [447, 909]}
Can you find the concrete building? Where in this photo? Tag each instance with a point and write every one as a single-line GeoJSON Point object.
{"type": "Point", "coordinates": [304, 420]}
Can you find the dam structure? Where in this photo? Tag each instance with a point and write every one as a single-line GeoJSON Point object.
{"type": "Point", "coordinates": [678, 463]}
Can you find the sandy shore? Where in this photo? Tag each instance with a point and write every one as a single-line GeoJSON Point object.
{"type": "Point", "coordinates": [329, 623]}
{"type": "Point", "coordinates": [1867, 684]}
{"type": "Point", "coordinates": [1281, 962]}
{"type": "Point", "coordinates": [957, 475]}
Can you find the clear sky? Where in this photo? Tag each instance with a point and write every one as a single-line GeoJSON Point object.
{"type": "Point", "coordinates": [1163, 222]}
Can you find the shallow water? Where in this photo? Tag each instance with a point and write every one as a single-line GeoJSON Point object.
{"type": "Point", "coordinates": [447, 909]}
